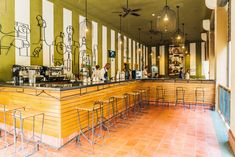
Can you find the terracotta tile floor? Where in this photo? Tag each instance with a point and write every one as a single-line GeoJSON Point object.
{"type": "Point", "coordinates": [162, 132]}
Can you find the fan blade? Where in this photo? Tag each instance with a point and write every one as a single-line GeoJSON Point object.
{"type": "Point", "coordinates": [135, 10]}
{"type": "Point", "coordinates": [119, 12]}
{"type": "Point", "coordinates": [135, 14]}
{"type": "Point", "coordinates": [125, 9]}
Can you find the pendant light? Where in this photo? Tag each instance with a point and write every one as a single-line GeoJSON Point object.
{"type": "Point", "coordinates": [86, 20]}
{"type": "Point", "coordinates": [86, 24]}
{"type": "Point", "coordinates": [183, 37]}
{"type": "Point", "coordinates": [178, 37]}
{"type": "Point", "coordinates": [167, 20]}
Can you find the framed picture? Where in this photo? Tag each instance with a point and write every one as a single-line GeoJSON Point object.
{"type": "Point", "coordinates": [176, 60]}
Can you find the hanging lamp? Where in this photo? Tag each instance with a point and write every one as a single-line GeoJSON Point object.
{"type": "Point", "coordinates": [86, 24]}
{"type": "Point", "coordinates": [183, 37]}
{"type": "Point", "coordinates": [178, 37]}
{"type": "Point", "coordinates": [167, 19]}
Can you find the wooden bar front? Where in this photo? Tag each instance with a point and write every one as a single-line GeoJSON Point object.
{"type": "Point", "coordinates": [59, 106]}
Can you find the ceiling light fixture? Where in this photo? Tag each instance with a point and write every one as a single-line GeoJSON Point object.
{"type": "Point", "coordinates": [167, 20]}
{"type": "Point", "coordinates": [86, 20]}
{"type": "Point", "coordinates": [178, 37]}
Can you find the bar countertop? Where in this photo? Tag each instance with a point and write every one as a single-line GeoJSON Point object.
{"type": "Point", "coordinates": [78, 85]}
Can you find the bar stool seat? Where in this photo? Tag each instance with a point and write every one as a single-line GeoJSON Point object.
{"type": "Point", "coordinates": [119, 97]}
{"type": "Point", "coordinates": [9, 108]}
{"type": "Point", "coordinates": [86, 107]}
{"type": "Point", "coordinates": [132, 93]}
{"type": "Point", "coordinates": [29, 114]}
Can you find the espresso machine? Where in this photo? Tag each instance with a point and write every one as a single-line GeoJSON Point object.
{"type": "Point", "coordinates": [16, 73]}
{"type": "Point", "coordinates": [55, 74]}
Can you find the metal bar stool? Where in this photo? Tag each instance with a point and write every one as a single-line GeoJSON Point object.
{"type": "Point", "coordinates": [200, 97]}
{"type": "Point", "coordinates": [145, 95]}
{"type": "Point", "coordinates": [124, 107]}
{"type": "Point", "coordinates": [160, 95]}
{"type": "Point", "coordinates": [29, 115]}
{"type": "Point", "coordinates": [136, 102]}
{"type": "Point", "coordinates": [90, 128]}
{"type": "Point", "coordinates": [7, 109]}
{"type": "Point", "coordinates": [108, 118]}
{"type": "Point", "coordinates": [180, 93]}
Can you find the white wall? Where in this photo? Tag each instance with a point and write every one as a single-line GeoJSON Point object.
{"type": "Point", "coordinates": [48, 16]}
{"type": "Point", "coordinates": [125, 50]}
{"type": "Point", "coordinates": [129, 53]}
{"type": "Point", "coordinates": [95, 42]}
{"type": "Point", "coordinates": [104, 45]}
{"type": "Point", "coordinates": [113, 49]}
{"type": "Point", "coordinates": [153, 56]}
{"type": "Point", "coordinates": [203, 54]}
{"type": "Point", "coordinates": [67, 22]}
{"type": "Point", "coordinates": [146, 54]}
{"type": "Point", "coordinates": [138, 56]}
{"type": "Point", "coordinates": [82, 34]}
{"type": "Point", "coordinates": [134, 54]}
{"type": "Point", "coordinates": [119, 53]}
{"type": "Point", "coordinates": [22, 15]}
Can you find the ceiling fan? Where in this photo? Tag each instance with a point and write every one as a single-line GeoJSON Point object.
{"type": "Point", "coordinates": [126, 11]}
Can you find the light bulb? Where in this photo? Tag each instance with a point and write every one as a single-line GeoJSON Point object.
{"type": "Point", "coordinates": [166, 19]}
{"type": "Point", "coordinates": [120, 42]}
{"type": "Point", "coordinates": [183, 47]}
{"type": "Point", "coordinates": [87, 29]}
{"type": "Point", "coordinates": [178, 37]}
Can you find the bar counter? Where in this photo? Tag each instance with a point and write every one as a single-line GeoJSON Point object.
{"type": "Point", "coordinates": [58, 101]}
